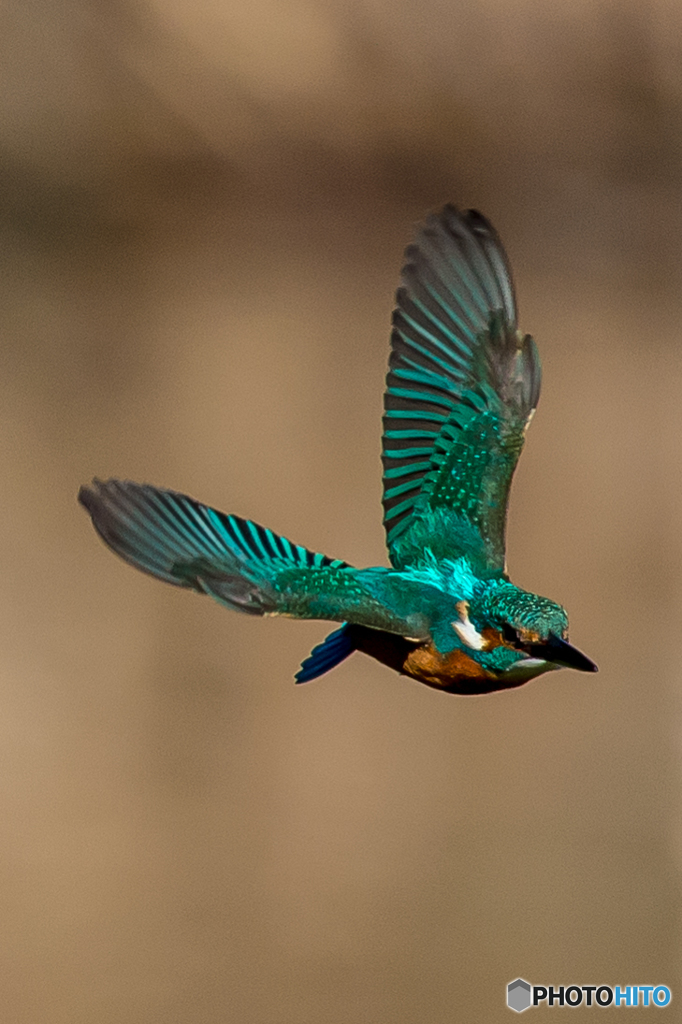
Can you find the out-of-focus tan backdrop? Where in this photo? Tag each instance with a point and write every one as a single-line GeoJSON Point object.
{"type": "Point", "coordinates": [204, 208]}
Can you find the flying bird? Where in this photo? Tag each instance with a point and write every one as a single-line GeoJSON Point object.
{"type": "Point", "coordinates": [462, 386]}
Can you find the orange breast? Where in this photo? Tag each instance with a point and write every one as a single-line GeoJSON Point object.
{"type": "Point", "coordinates": [429, 666]}
{"type": "Point", "coordinates": [456, 671]}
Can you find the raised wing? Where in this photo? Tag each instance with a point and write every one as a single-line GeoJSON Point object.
{"type": "Point", "coordinates": [461, 388]}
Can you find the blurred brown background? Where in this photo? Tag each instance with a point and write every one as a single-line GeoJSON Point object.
{"type": "Point", "coordinates": [204, 207]}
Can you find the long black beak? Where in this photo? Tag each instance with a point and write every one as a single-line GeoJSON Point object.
{"type": "Point", "coordinates": [561, 653]}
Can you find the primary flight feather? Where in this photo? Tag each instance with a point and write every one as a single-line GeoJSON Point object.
{"type": "Point", "coordinates": [461, 389]}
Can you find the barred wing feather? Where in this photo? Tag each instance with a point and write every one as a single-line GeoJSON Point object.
{"type": "Point", "coordinates": [460, 391]}
{"type": "Point", "coordinates": [244, 566]}
{"type": "Point", "coordinates": [183, 542]}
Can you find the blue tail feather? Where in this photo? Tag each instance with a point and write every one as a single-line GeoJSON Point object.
{"type": "Point", "coordinates": [327, 655]}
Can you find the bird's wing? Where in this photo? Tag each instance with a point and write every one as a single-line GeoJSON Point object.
{"type": "Point", "coordinates": [461, 388]}
{"type": "Point", "coordinates": [242, 565]}
{"type": "Point", "coordinates": [183, 542]}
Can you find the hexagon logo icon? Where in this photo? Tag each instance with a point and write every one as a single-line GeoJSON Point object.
{"type": "Point", "coordinates": [518, 995]}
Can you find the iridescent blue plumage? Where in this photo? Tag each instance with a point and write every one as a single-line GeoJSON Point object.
{"type": "Point", "coordinates": [462, 386]}
{"type": "Point", "coordinates": [331, 652]}
{"type": "Point", "coordinates": [183, 542]}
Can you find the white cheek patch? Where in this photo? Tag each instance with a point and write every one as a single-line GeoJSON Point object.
{"type": "Point", "coordinates": [465, 629]}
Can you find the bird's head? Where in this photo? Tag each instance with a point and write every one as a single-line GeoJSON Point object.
{"type": "Point", "coordinates": [532, 627]}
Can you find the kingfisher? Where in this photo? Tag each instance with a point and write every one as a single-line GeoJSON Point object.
{"type": "Point", "coordinates": [462, 386]}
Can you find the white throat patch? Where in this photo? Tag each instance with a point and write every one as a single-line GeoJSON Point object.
{"type": "Point", "coordinates": [465, 629]}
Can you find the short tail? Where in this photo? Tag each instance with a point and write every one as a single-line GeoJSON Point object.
{"type": "Point", "coordinates": [338, 646]}
{"type": "Point", "coordinates": [389, 648]}
{"type": "Point", "coordinates": [183, 542]}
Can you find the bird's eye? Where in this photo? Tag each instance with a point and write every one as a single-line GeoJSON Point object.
{"type": "Point", "coordinates": [510, 634]}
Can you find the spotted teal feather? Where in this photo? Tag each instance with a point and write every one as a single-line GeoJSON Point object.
{"type": "Point", "coordinates": [242, 565]}
{"type": "Point", "coordinates": [461, 388]}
